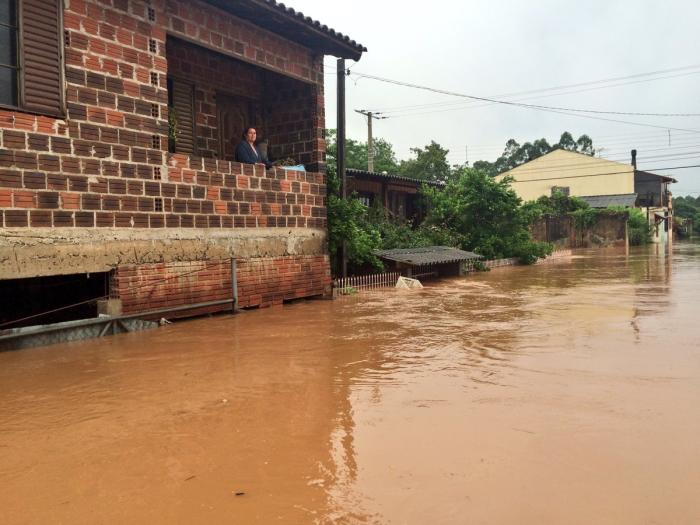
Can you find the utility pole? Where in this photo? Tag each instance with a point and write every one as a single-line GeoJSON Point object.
{"type": "Point", "coordinates": [340, 72]}
{"type": "Point", "coordinates": [370, 142]}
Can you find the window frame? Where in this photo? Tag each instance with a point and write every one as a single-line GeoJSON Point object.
{"type": "Point", "coordinates": [19, 35]}
{"type": "Point", "coordinates": [16, 67]}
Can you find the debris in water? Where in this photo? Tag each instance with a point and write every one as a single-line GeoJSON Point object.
{"type": "Point", "coordinates": [406, 282]}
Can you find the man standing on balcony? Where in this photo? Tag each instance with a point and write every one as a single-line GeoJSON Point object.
{"type": "Point", "coordinates": [248, 152]}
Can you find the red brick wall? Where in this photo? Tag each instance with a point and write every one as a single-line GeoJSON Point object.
{"type": "Point", "coordinates": [106, 165]}
{"type": "Point", "coordinates": [210, 193]}
{"type": "Point", "coordinates": [261, 282]}
{"type": "Point", "coordinates": [155, 286]}
{"type": "Point", "coordinates": [296, 119]}
{"type": "Point", "coordinates": [264, 282]}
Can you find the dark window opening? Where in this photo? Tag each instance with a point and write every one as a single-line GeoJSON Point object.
{"type": "Point", "coordinates": [151, 14]}
{"type": "Point", "coordinates": [9, 71]}
{"type": "Point", "coordinates": [55, 299]}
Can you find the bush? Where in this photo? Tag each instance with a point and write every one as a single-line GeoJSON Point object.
{"type": "Point", "coordinates": [558, 204]}
{"type": "Point", "coordinates": [638, 227]}
{"type": "Point", "coordinates": [477, 213]}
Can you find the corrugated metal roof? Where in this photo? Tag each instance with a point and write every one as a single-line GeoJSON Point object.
{"type": "Point", "coordinates": [389, 176]}
{"type": "Point", "coordinates": [426, 255]}
{"type": "Point", "coordinates": [605, 201]}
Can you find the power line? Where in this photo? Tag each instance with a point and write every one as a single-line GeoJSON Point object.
{"type": "Point", "coordinates": [626, 138]}
{"type": "Point", "coordinates": [561, 111]}
{"type": "Point", "coordinates": [566, 86]}
{"type": "Point", "coordinates": [570, 166]}
{"type": "Point", "coordinates": [459, 106]}
{"type": "Point", "coordinates": [601, 174]}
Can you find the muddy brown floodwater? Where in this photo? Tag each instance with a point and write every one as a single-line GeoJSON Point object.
{"type": "Point", "coordinates": [561, 393]}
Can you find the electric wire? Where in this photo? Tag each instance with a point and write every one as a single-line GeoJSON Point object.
{"type": "Point", "coordinates": [602, 174]}
{"type": "Point", "coordinates": [459, 106]}
{"type": "Point", "coordinates": [549, 109]}
{"type": "Point", "coordinates": [556, 88]}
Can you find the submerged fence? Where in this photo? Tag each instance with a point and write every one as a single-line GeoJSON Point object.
{"type": "Point", "coordinates": [349, 285]}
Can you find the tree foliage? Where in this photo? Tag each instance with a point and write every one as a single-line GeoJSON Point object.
{"type": "Point", "coordinates": [687, 207]}
{"type": "Point", "coordinates": [356, 153]}
{"type": "Point", "coordinates": [477, 213]}
{"type": "Point", "coordinates": [514, 154]}
{"type": "Point", "coordinates": [429, 163]}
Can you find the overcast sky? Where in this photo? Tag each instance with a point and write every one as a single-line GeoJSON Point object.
{"type": "Point", "coordinates": [498, 48]}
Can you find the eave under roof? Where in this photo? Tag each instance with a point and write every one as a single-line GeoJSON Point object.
{"type": "Point", "coordinates": [373, 175]}
{"type": "Point", "coordinates": [293, 25]}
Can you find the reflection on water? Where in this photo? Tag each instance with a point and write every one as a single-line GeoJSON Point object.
{"type": "Point", "coordinates": [559, 393]}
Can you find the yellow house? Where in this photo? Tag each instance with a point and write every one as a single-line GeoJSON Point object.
{"type": "Point", "coordinates": [583, 175]}
{"type": "Point", "coordinates": [600, 182]}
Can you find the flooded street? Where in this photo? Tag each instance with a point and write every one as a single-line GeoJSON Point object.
{"type": "Point", "coordinates": [567, 392]}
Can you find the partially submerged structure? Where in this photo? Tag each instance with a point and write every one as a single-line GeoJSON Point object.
{"type": "Point", "coordinates": [117, 181]}
{"type": "Point", "coordinates": [600, 182]}
{"type": "Point", "coordinates": [429, 261]}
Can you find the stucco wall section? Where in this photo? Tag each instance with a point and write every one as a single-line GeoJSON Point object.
{"type": "Point", "coordinates": [47, 251]}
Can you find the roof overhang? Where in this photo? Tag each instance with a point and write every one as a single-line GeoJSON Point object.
{"type": "Point", "coordinates": [389, 177]}
{"type": "Point", "coordinates": [293, 25]}
{"type": "Point", "coordinates": [663, 178]}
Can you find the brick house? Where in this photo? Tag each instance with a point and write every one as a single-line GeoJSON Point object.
{"type": "Point", "coordinates": [117, 121]}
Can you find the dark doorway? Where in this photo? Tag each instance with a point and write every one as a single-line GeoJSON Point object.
{"type": "Point", "coordinates": [234, 113]}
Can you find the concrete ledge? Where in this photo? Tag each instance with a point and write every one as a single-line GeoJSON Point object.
{"type": "Point", "coordinates": [61, 251]}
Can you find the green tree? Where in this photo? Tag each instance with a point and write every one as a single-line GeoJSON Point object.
{"type": "Point", "coordinates": [430, 164]}
{"type": "Point", "coordinates": [515, 154]}
{"type": "Point", "coordinates": [356, 153]}
{"type": "Point", "coordinates": [477, 213]}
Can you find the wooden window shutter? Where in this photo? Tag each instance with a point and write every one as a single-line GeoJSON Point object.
{"type": "Point", "coordinates": [183, 106]}
{"type": "Point", "coordinates": [41, 56]}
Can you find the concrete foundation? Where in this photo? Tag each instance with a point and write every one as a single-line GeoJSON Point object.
{"type": "Point", "coordinates": [61, 251]}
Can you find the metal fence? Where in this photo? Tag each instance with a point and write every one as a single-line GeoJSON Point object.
{"type": "Point", "coordinates": [350, 285]}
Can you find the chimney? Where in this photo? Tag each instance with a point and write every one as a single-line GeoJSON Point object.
{"type": "Point", "coordinates": [634, 158]}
